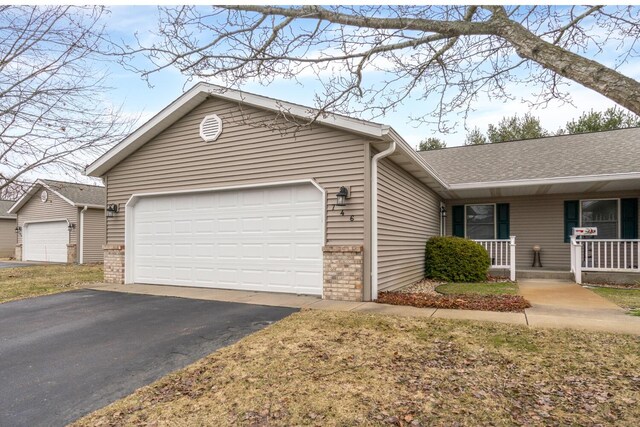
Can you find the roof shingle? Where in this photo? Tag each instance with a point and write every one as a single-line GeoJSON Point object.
{"type": "Point", "coordinates": [598, 153]}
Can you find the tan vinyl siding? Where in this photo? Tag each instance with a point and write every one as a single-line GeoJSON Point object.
{"type": "Point", "coordinates": [94, 235]}
{"type": "Point", "coordinates": [53, 209]}
{"type": "Point", "coordinates": [7, 237]}
{"type": "Point", "coordinates": [178, 159]}
{"type": "Point", "coordinates": [408, 215]}
{"type": "Point", "coordinates": [539, 220]}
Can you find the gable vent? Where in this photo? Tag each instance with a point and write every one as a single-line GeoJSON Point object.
{"type": "Point", "coordinates": [211, 128]}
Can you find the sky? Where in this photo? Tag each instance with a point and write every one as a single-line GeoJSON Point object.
{"type": "Point", "coordinates": [139, 99]}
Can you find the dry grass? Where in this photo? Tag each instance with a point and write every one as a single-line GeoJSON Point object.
{"type": "Point", "coordinates": [625, 298]}
{"type": "Point", "coordinates": [25, 282]}
{"type": "Point", "coordinates": [339, 369]}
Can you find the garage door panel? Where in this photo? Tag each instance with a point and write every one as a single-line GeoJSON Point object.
{"type": "Point", "coordinates": [254, 239]}
{"type": "Point", "coordinates": [46, 241]}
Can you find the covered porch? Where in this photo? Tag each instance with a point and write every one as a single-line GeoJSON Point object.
{"type": "Point", "coordinates": [515, 222]}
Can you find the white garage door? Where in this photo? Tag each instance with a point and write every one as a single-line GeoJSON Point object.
{"type": "Point", "coordinates": [45, 241]}
{"type": "Point", "coordinates": [261, 239]}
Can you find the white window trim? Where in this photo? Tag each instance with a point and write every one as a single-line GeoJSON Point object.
{"type": "Point", "coordinates": [619, 213]}
{"type": "Point", "coordinates": [495, 219]}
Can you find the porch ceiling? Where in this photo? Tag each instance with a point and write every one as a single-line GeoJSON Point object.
{"type": "Point", "coordinates": [507, 189]}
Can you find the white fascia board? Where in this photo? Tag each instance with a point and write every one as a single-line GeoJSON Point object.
{"type": "Point", "coordinates": [545, 181]}
{"type": "Point", "coordinates": [144, 133]}
{"type": "Point", "coordinates": [417, 158]}
{"type": "Point", "coordinates": [25, 197]}
{"type": "Point", "coordinates": [199, 93]}
{"type": "Point", "coordinates": [8, 217]}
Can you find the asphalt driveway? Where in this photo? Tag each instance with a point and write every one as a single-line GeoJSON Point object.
{"type": "Point", "coordinates": [63, 356]}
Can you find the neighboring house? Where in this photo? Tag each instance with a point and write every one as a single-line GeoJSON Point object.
{"type": "Point", "coordinates": [60, 222]}
{"type": "Point", "coordinates": [7, 229]}
{"type": "Point", "coordinates": [232, 190]}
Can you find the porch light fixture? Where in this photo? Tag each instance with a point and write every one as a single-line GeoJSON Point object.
{"type": "Point", "coordinates": [71, 227]}
{"type": "Point", "coordinates": [18, 229]}
{"type": "Point", "coordinates": [112, 209]}
{"type": "Point", "coordinates": [443, 211]}
{"type": "Point", "coordinates": [341, 197]}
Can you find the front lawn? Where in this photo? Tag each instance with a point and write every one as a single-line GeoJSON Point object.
{"type": "Point", "coordinates": [31, 281]}
{"type": "Point", "coordinates": [337, 368]}
{"type": "Point", "coordinates": [625, 298]}
{"type": "Point", "coordinates": [491, 288]}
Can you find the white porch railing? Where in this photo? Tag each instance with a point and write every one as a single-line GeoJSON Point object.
{"type": "Point", "coordinates": [614, 255]}
{"type": "Point", "coordinates": [502, 253]}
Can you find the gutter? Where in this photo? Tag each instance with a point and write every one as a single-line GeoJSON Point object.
{"type": "Point", "coordinates": [81, 239]}
{"type": "Point", "coordinates": [374, 216]}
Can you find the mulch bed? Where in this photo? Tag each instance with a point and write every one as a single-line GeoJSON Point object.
{"type": "Point", "coordinates": [512, 303]}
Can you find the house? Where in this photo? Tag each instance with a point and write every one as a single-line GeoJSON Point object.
{"type": "Point", "coordinates": [60, 222]}
{"type": "Point", "coordinates": [7, 229]}
{"type": "Point", "coordinates": [232, 190]}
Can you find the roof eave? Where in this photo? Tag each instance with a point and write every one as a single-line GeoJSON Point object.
{"type": "Point", "coordinates": [545, 181]}
{"type": "Point", "coordinates": [198, 94]}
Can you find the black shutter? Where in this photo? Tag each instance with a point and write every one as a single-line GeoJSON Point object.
{"type": "Point", "coordinates": [571, 218]}
{"type": "Point", "coordinates": [457, 220]}
{"type": "Point", "coordinates": [503, 220]}
{"type": "Point", "coordinates": [629, 217]}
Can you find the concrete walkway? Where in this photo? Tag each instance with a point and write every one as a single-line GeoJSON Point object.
{"type": "Point", "coordinates": [555, 304]}
{"type": "Point", "coordinates": [564, 304]}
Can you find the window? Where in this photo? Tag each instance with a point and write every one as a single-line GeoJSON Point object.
{"type": "Point", "coordinates": [480, 221]}
{"type": "Point", "coordinates": [602, 214]}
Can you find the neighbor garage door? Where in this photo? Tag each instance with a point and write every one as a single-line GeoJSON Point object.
{"type": "Point", "coordinates": [262, 239]}
{"type": "Point", "coordinates": [45, 241]}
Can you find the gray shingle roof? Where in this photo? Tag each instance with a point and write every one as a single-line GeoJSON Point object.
{"type": "Point", "coordinates": [5, 205]}
{"type": "Point", "coordinates": [80, 194]}
{"type": "Point", "coordinates": [598, 153]}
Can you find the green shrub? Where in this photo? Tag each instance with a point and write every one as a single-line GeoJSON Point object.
{"type": "Point", "coordinates": [455, 259]}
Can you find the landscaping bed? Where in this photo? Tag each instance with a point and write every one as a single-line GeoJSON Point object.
{"type": "Point", "coordinates": [490, 296]}
{"type": "Point", "coordinates": [30, 281]}
{"type": "Point", "coordinates": [322, 368]}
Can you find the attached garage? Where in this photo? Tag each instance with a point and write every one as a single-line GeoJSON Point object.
{"type": "Point", "coordinates": [233, 190]}
{"type": "Point", "coordinates": [264, 238]}
{"type": "Point", "coordinates": [45, 241]}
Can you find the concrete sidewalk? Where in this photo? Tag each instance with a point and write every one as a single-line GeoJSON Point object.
{"type": "Point", "coordinates": [553, 305]}
{"type": "Point", "coordinates": [564, 304]}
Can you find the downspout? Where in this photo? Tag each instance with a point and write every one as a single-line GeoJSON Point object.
{"type": "Point", "coordinates": [81, 239]}
{"type": "Point", "coordinates": [374, 217]}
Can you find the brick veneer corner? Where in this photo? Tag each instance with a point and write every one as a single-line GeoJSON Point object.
{"type": "Point", "coordinates": [343, 274]}
{"type": "Point", "coordinates": [114, 263]}
{"type": "Point", "coordinates": [18, 253]}
{"type": "Point", "coordinates": [72, 253]}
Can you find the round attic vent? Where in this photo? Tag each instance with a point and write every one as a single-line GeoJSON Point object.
{"type": "Point", "coordinates": [210, 128]}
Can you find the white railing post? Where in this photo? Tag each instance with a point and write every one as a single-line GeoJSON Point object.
{"type": "Point", "coordinates": [512, 257]}
{"type": "Point", "coordinates": [573, 253]}
{"type": "Point", "coordinates": [577, 260]}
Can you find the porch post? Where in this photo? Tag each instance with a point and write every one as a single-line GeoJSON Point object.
{"type": "Point", "coordinates": [573, 261]}
{"type": "Point", "coordinates": [577, 260]}
{"type": "Point", "coordinates": [512, 258]}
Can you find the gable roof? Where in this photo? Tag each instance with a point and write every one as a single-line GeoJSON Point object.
{"type": "Point", "coordinates": [5, 205]}
{"type": "Point", "coordinates": [78, 195]}
{"type": "Point", "coordinates": [201, 91]}
{"type": "Point", "coordinates": [568, 158]}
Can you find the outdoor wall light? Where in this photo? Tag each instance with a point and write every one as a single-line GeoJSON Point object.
{"type": "Point", "coordinates": [443, 211]}
{"type": "Point", "coordinates": [71, 227]}
{"type": "Point", "coordinates": [112, 209]}
{"type": "Point", "coordinates": [18, 229]}
{"type": "Point", "coordinates": [341, 197]}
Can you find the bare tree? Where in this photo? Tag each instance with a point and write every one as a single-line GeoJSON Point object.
{"type": "Point", "coordinates": [372, 58]}
{"type": "Point", "coordinates": [53, 117]}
